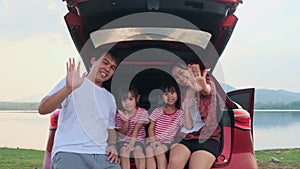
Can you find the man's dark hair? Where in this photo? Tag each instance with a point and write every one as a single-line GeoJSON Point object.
{"type": "Point", "coordinates": [115, 56]}
{"type": "Point", "coordinates": [101, 50]}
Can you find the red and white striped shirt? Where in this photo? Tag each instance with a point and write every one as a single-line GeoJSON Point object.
{"type": "Point", "coordinates": [140, 116]}
{"type": "Point", "coordinates": [166, 125]}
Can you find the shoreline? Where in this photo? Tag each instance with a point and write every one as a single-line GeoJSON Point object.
{"type": "Point", "coordinates": [18, 111]}
{"type": "Point", "coordinates": [258, 150]}
{"type": "Point", "coordinates": [266, 159]}
{"type": "Point", "coordinates": [275, 110]}
{"type": "Point", "coordinates": [256, 110]}
{"type": "Point", "coordinates": [283, 148]}
{"type": "Point", "coordinates": [22, 110]}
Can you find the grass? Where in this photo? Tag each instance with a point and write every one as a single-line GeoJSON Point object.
{"type": "Point", "coordinates": [11, 158]}
{"type": "Point", "coordinates": [288, 159]}
{"type": "Point", "coordinates": [21, 158]}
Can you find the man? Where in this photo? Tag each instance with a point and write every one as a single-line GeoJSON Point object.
{"type": "Point", "coordinates": [85, 137]}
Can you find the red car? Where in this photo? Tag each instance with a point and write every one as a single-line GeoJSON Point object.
{"type": "Point", "coordinates": [149, 36]}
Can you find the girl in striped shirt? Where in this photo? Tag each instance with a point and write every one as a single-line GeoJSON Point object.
{"type": "Point", "coordinates": [130, 124]}
{"type": "Point", "coordinates": [164, 124]}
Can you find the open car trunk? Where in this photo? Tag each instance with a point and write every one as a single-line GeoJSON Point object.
{"type": "Point", "coordinates": [213, 16]}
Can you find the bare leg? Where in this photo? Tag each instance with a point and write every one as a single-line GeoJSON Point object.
{"type": "Point", "coordinates": [124, 157]}
{"type": "Point", "coordinates": [139, 157]}
{"type": "Point", "coordinates": [201, 159]}
{"type": "Point", "coordinates": [160, 156]}
{"type": "Point", "coordinates": [151, 164]}
{"type": "Point", "coordinates": [179, 156]}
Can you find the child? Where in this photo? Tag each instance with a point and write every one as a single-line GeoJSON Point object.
{"type": "Point", "coordinates": [131, 131]}
{"type": "Point", "coordinates": [165, 122]}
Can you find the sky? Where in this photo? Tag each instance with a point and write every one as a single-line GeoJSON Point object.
{"type": "Point", "coordinates": [263, 51]}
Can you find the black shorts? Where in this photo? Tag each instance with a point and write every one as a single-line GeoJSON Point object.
{"type": "Point", "coordinates": [209, 145]}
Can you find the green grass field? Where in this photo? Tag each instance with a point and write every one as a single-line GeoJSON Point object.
{"type": "Point", "coordinates": [21, 159]}
{"type": "Point", "coordinates": [32, 159]}
{"type": "Point", "coordinates": [288, 159]}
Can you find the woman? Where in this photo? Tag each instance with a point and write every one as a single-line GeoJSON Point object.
{"type": "Point", "coordinates": [201, 144]}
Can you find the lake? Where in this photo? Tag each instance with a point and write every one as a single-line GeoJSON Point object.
{"type": "Point", "coordinates": [272, 129]}
{"type": "Point", "coordinates": [24, 129]}
{"type": "Point", "coordinates": [276, 129]}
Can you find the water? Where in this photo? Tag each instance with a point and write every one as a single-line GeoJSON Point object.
{"type": "Point", "coordinates": [23, 129]}
{"type": "Point", "coordinates": [272, 129]}
{"type": "Point", "coordinates": [276, 129]}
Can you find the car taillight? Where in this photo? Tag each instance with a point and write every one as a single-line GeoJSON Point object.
{"type": "Point", "coordinates": [53, 119]}
{"type": "Point", "coordinates": [242, 119]}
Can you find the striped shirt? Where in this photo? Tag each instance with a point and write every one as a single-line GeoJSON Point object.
{"type": "Point", "coordinates": [140, 116]}
{"type": "Point", "coordinates": [166, 125]}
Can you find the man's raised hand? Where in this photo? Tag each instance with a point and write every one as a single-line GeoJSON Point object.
{"type": "Point", "coordinates": [73, 79]}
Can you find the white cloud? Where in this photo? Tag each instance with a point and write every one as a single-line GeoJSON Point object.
{"type": "Point", "coordinates": [52, 5]}
{"type": "Point", "coordinates": [33, 65]}
{"type": "Point", "coordinates": [8, 9]}
{"type": "Point", "coordinates": [263, 50]}
{"type": "Point", "coordinates": [57, 7]}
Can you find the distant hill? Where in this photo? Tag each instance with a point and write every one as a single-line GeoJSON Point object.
{"type": "Point", "coordinates": [275, 96]}
{"type": "Point", "coordinates": [261, 96]}
{"type": "Point", "coordinates": [265, 96]}
{"type": "Point", "coordinates": [227, 87]}
{"type": "Point", "coordinates": [19, 105]}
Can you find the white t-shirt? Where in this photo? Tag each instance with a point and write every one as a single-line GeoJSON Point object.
{"type": "Point", "coordinates": [197, 121]}
{"type": "Point", "coordinates": [83, 121]}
